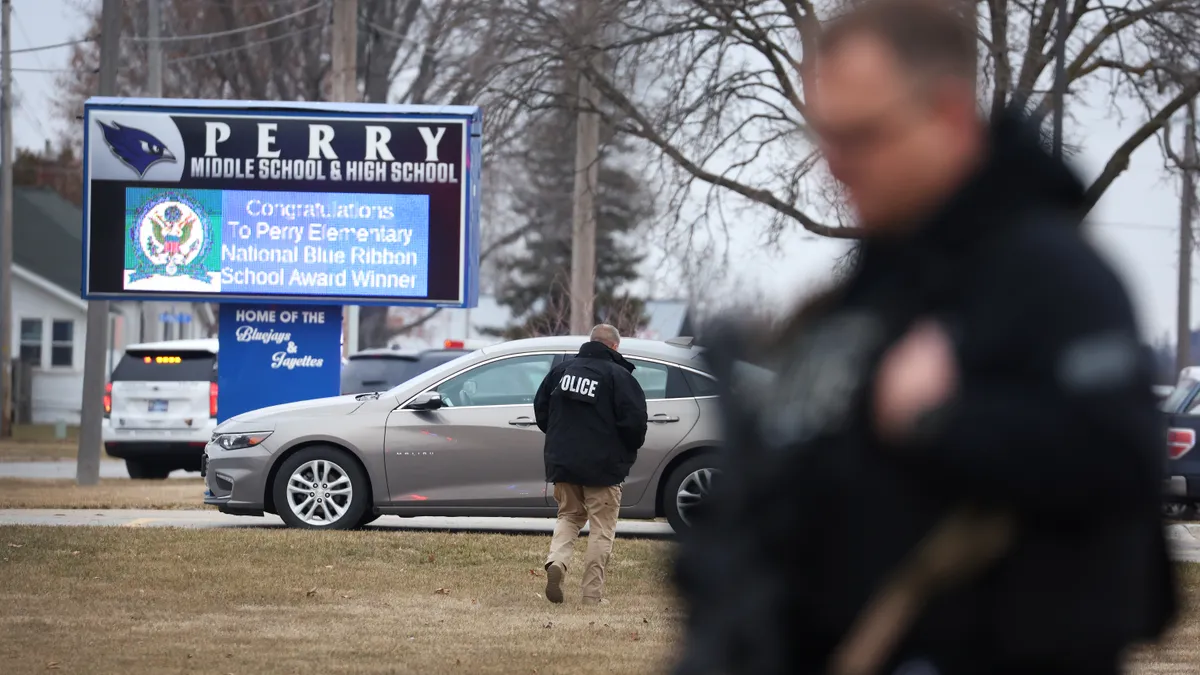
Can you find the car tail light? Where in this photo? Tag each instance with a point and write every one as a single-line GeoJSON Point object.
{"type": "Point", "coordinates": [212, 399]}
{"type": "Point", "coordinates": [1180, 442]}
{"type": "Point", "coordinates": [108, 399]}
{"type": "Point", "coordinates": [454, 344]}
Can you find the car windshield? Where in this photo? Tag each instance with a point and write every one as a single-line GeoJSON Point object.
{"type": "Point", "coordinates": [164, 366]}
{"type": "Point", "coordinates": [437, 373]}
{"type": "Point", "coordinates": [1175, 401]}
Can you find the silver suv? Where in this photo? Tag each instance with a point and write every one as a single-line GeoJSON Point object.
{"type": "Point", "coordinates": [458, 440]}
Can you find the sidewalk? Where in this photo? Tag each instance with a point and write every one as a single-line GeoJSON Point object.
{"type": "Point", "coordinates": [48, 470]}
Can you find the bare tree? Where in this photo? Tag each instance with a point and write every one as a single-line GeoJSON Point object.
{"type": "Point", "coordinates": [720, 88]}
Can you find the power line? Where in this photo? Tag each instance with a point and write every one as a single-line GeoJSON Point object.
{"type": "Point", "coordinates": [232, 31]}
{"type": "Point", "coordinates": [47, 70]}
{"type": "Point", "coordinates": [21, 26]}
{"type": "Point", "coordinates": [59, 45]}
{"type": "Point", "coordinates": [248, 45]}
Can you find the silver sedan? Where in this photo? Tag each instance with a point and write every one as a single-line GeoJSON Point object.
{"type": "Point", "coordinates": [458, 440]}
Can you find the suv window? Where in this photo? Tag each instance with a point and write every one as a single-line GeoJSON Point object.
{"type": "Point", "coordinates": [163, 366]}
{"type": "Point", "coordinates": [512, 381]}
{"type": "Point", "coordinates": [380, 372]}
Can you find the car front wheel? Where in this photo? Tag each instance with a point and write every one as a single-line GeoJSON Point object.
{"type": "Point", "coordinates": [321, 488]}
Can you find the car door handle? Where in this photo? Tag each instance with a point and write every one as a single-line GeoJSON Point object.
{"type": "Point", "coordinates": [522, 422]}
{"type": "Point", "coordinates": [663, 419]}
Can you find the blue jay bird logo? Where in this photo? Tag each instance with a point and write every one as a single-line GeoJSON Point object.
{"type": "Point", "coordinates": [136, 148]}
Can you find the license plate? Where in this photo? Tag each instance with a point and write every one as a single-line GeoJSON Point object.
{"type": "Point", "coordinates": [157, 405]}
{"type": "Point", "coordinates": [203, 465]}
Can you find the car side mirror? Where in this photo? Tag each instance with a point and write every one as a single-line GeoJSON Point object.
{"type": "Point", "coordinates": [429, 400]}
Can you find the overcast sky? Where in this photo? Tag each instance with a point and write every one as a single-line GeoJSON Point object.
{"type": "Point", "coordinates": [1135, 225]}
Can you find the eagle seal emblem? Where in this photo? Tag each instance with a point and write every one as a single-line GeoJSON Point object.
{"type": "Point", "coordinates": [170, 238]}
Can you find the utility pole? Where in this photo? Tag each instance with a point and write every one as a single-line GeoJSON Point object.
{"type": "Point", "coordinates": [154, 86]}
{"type": "Point", "coordinates": [587, 174]}
{"type": "Point", "coordinates": [87, 467]}
{"type": "Point", "coordinates": [1187, 210]}
{"type": "Point", "coordinates": [1060, 77]}
{"type": "Point", "coordinates": [345, 88]}
{"type": "Point", "coordinates": [6, 219]}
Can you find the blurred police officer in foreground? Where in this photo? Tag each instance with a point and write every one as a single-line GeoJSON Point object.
{"type": "Point", "coordinates": [981, 359]}
{"type": "Point", "coordinates": [593, 413]}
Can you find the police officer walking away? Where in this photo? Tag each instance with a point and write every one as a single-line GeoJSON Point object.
{"type": "Point", "coordinates": [958, 469]}
{"type": "Point", "coordinates": [593, 413]}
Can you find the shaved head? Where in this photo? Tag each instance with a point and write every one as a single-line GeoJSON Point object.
{"type": "Point", "coordinates": [606, 334]}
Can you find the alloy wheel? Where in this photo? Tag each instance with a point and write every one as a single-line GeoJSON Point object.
{"type": "Point", "coordinates": [319, 492]}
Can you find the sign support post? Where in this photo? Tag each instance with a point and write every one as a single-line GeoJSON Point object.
{"type": "Point", "coordinates": [95, 353]}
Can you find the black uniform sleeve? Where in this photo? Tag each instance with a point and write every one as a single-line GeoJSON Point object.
{"type": "Point", "coordinates": [541, 400]}
{"type": "Point", "coordinates": [629, 403]}
{"type": "Point", "coordinates": [1076, 429]}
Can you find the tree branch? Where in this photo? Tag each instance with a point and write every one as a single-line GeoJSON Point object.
{"type": "Point", "coordinates": [1119, 161]}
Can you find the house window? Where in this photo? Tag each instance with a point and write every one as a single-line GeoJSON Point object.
{"type": "Point", "coordinates": [31, 342]}
{"type": "Point", "coordinates": [62, 344]}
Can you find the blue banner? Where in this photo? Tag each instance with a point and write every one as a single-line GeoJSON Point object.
{"type": "Point", "coordinates": [273, 354]}
{"type": "Point", "coordinates": [313, 243]}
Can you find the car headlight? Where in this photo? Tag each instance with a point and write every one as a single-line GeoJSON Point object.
{"type": "Point", "coordinates": [240, 441]}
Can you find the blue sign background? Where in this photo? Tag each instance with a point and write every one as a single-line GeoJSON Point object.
{"type": "Point", "coordinates": [325, 243]}
{"type": "Point", "coordinates": [273, 354]}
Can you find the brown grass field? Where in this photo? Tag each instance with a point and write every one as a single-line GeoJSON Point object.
{"type": "Point", "coordinates": [154, 601]}
{"type": "Point", "coordinates": [111, 493]}
{"type": "Point", "coordinates": [38, 450]}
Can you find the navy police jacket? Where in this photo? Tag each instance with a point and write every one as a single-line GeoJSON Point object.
{"type": "Point", "coordinates": [593, 413]}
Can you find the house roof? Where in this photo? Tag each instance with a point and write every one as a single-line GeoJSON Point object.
{"type": "Point", "coordinates": [47, 237]}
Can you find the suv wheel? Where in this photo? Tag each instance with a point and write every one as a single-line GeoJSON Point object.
{"type": "Point", "coordinates": [322, 488]}
{"type": "Point", "coordinates": [687, 486]}
{"type": "Point", "coordinates": [142, 469]}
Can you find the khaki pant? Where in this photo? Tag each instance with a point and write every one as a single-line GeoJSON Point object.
{"type": "Point", "coordinates": [578, 505]}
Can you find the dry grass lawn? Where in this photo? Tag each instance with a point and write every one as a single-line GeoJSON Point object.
{"type": "Point", "coordinates": [14, 450]}
{"type": "Point", "coordinates": [155, 601]}
{"type": "Point", "coordinates": [111, 493]}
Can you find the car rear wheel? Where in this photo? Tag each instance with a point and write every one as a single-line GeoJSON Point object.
{"type": "Point", "coordinates": [142, 469]}
{"type": "Point", "coordinates": [686, 488]}
{"type": "Point", "coordinates": [321, 488]}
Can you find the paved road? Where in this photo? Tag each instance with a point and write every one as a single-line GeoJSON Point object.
{"type": "Point", "coordinates": [1184, 539]}
{"type": "Point", "coordinates": [214, 519]}
{"type": "Point", "coordinates": [66, 469]}
{"type": "Point", "coordinates": [1185, 542]}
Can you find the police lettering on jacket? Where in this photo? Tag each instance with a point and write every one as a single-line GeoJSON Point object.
{"type": "Point", "coordinates": [581, 387]}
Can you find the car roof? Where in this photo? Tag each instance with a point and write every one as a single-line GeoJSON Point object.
{"type": "Point", "coordinates": [200, 345]}
{"type": "Point", "coordinates": [682, 354]}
